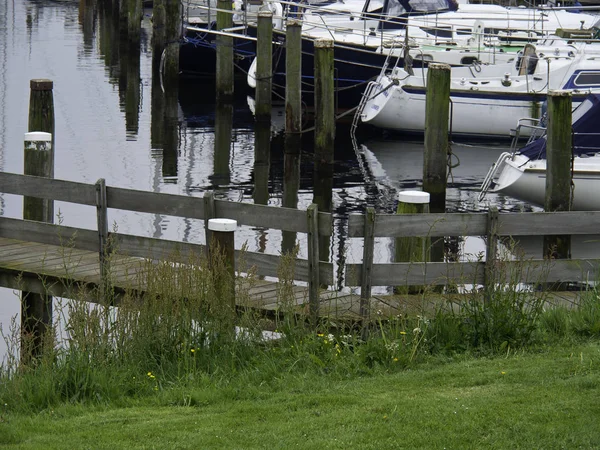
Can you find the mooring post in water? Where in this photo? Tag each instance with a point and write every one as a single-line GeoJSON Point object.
{"type": "Point", "coordinates": [324, 100]}
{"type": "Point", "coordinates": [559, 149]}
{"type": "Point", "coordinates": [293, 85]}
{"type": "Point", "coordinates": [224, 74]}
{"type": "Point", "coordinates": [172, 37]}
{"type": "Point", "coordinates": [221, 252]}
{"type": "Point", "coordinates": [435, 162]}
{"type": "Point", "coordinates": [413, 248]}
{"type": "Point", "coordinates": [159, 18]}
{"type": "Point", "coordinates": [36, 309]}
{"type": "Point", "coordinates": [264, 66]}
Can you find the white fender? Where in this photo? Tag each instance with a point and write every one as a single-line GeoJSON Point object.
{"type": "Point", "coordinates": [277, 10]}
{"type": "Point", "coordinates": [251, 78]}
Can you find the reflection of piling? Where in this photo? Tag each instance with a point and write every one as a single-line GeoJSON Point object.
{"type": "Point", "coordinates": [558, 168]}
{"type": "Point", "coordinates": [324, 100]}
{"type": "Point", "coordinates": [172, 36]}
{"type": "Point", "coordinates": [435, 163]}
{"type": "Point", "coordinates": [262, 160]}
{"type": "Point", "coordinates": [36, 310]}
{"type": "Point", "coordinates": [133, 88]}
{"type": "Point", "coordinates": [412, 249]}
{"type": "Point", "coordinates": [291, 185]}
{"type": "Point", "coordinates": [134, 20]}
{"type": "Point", "coordinates": [171, 130]}
{"type": "Point", "coordinates": [222, 151]}
{"type": "Point", "coordinates": [224, 74]}
{"type": "Point", "coordinates": [264, 66]}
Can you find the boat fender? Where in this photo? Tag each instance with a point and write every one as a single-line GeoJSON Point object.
{"type": "Point", "coordinates": [277, 10]}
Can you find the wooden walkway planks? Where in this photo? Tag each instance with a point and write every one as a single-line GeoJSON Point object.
{"type": "Point", "coordinates": [65, 265]}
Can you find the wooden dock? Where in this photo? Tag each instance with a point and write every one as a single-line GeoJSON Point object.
{"type": "Point", "coordinates": [63, 261]}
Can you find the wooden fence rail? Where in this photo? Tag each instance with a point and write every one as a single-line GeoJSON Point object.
{"type": "Point", "coordinates": [368, 227]}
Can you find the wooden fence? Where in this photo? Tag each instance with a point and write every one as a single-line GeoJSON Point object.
{"type": "Point", "coordinates": [316, 272]}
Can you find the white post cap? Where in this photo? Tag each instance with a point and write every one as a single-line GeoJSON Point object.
{"type": "Point", "coordinates": [413, 197]}
{"type": "Point", "coordinates": [222, 225]}
{"type": "Point", "coordinates": [38, 136]}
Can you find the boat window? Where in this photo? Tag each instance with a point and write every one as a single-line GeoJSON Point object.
{"type": "Point", "coordinates": [463, 31]}
{"type": "Point", "coordinates": [428, 5]}
{"type": "Point", "coordinates": [441, 32]}
{"type": "Point", "coordinates": [587, 79]}
{"type": "Point", "coordinates": [466, 60]}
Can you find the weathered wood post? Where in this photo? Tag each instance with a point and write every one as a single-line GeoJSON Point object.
{"type": "Point", "coordinates": [293, 124]}
{"type": "Point", "coordinates": [293, 86]}
{"type": "Point", "coordinates": [159, 19]}
{"type": "Point", "coordinates": [417, 248]}
{"type": "Point", "coordinates": [367, 265]}
{"type": "Point", "coordinates": [224, 74]}
{"type": "Point", "coordinates": [172, 36]}
{"type": "Point", "coordinates": [435, 162]}
{"type": "Point", "coordinates": [491, 255]}
{"type": "Point", "coordinates": [312, 216]}
{"type": "Point", "coordinates": [36, 309]}
{"type": "Point", "coordinates": [222, 258]}
{"type": "Point", "coordinates": [264, 66]}
{"type": "Point", "coordinates": [324, 101]}
{"type": "Point", "coordinates": [559, 149]}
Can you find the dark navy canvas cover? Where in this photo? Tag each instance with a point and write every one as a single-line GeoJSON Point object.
{"type": "Point", "coordinates": [586, 132]}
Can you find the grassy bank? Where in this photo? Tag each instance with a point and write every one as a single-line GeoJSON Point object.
{"type": "Point", "coordinates": [534, 399]}
{"type": "Point", "coordinates": [177, 368]}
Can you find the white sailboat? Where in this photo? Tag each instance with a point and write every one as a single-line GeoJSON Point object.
{"type": "Point", "coordinates": [522, 174]}
{"type": "Point", "coordinates": [486, 102]}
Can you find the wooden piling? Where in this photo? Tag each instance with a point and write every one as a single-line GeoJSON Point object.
{"type": "Point", "coordinates": [222, 249]}
{"type": "Point", "coordinates": [264, 66]}
{"type": "Point", "coordinates": [437, 108]}
{"type": "Point", "coordinates": [324, 100]}
{"type": "Point", "coordinates": [172, 37]}
{"type": "Point", "coordinates": [435, 162]}
{"type": "Point", "coordinates": [559, 149]}
{"type": "Point", "coordinates": [293, 85]}
{"type": "Point", "coordinates": [412, 249]}
{"type": "Point", "coordinates": [224, 73]}
{"type": "Point", "coordinates": [36, 310]}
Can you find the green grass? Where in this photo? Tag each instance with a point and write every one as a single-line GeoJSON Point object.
{"type": "Point", "coordinates": [529, 399]}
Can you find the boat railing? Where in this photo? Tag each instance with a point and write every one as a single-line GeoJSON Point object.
{"type": "Point", "coordinates": [491, 175]}
{"type": "Point", "coordinates": [534, 126]}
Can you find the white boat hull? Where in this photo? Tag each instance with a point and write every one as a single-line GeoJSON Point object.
{"type": "Point", "coordinates": [526, 180]}
{"type": "Point", "coordinates": [403, 109]}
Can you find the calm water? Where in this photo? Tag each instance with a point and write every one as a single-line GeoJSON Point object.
{"type": "Point", "coordinates": [107, 126]}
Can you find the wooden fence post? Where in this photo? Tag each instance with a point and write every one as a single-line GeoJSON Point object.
{"type": "Point", "coordinates": [367, 265]}
{"type": "Point", "coordinates": [209, 213]}
{"type": "Point", "coordinates": [103, 243]}
{"type": "Point", "coordinates": [312, 216]}
{"type": "Point", "coordinates": [324, 101]}
{"type": "Point", "coordinates": [222, 245]}
{"type": "Point", "coordinates": [224, 73]}
{"type": "Point", "coordinates": [412, 249]}
{"type": "Point", "coordinates": [559, 149]}
{"type": "Point", "coordinates": [264, 66]}
{"type": "Point", "coordinates": [36, 309]}
{"type": "Point", "coordinates": [491, 255]}
{"type": "Point", "coordinates": [293, 85]}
